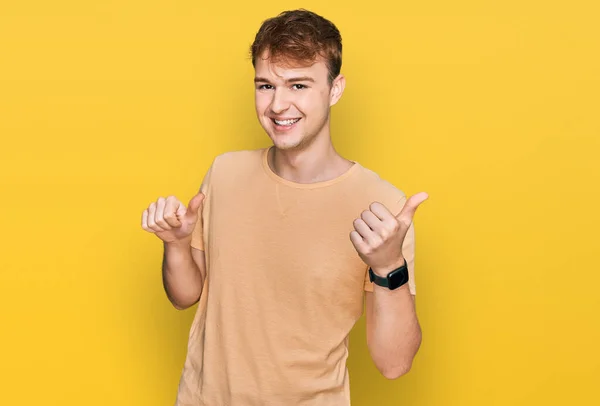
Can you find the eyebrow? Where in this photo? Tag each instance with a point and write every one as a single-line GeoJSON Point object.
{"type": "Point", "coordinates": [290, 80]}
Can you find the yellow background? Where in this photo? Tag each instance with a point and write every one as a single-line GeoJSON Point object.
{"type": "Point", "coordinates": [490, 107]}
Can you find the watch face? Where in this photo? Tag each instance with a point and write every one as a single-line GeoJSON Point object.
{"type": "Point", "coordinates": [397, 278]}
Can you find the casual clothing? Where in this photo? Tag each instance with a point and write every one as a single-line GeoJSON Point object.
{"type": "Point", "coordinates": [284, 284]}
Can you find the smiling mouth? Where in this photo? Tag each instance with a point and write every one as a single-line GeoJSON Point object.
{"type": "Point", "coordinates": [286, 123]}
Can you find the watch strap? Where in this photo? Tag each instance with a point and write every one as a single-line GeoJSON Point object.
{"type": "Point", "coordinates": [392, 280]}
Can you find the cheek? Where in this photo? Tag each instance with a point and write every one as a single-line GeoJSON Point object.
{"type": "Point", "coordinates": [261, 102]}
{"type": "Point", "coordinates": [315, 106]}
{"type": "Point", "coordinates": [310, 104]}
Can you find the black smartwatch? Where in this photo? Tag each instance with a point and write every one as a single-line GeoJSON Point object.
{"type": "Point", "coordinates": [393, 280]}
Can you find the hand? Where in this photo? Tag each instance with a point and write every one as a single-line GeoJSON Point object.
{"type": "Point", "coordinates": [170, 220]}
{"type": "Point", "coordinates": [378, 235]}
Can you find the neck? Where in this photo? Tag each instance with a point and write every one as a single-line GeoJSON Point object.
{"type": "Point", "coordinates": [317, 162]}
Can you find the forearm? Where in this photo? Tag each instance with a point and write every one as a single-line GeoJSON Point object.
{"type": "Point", "coordinates": [395, 332]}
{"type": "Point", "coordinates": [182, 278]}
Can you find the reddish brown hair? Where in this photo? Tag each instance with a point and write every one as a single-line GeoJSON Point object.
{"type": "Point", "coordinates": [299, 37]}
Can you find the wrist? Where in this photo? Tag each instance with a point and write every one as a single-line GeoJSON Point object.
{"type": "Point", "coordinates": [182, 243]}
{"type": "Point", "coordinates": [383, 271]}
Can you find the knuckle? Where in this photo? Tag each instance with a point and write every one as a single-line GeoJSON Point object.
{"type": "Point", "coordinates": [148, 229]}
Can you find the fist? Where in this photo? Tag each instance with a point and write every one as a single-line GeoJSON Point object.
{"type": "Point", "coordinates": [170, 220]}
{"type": "Point", "coordinates": [378, 235]}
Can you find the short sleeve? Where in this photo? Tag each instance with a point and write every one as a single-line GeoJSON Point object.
{"type": "Point", "coordinates": [198, 234]}
{"type": "Point", "coordinates": [408, 252]}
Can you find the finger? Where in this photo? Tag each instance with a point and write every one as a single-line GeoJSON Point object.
{"type": "Point", "coordinates": [151, 213]}
{"type": "Point", "coordinates": [358, 242]}
{"type": "Point", "coordinates": [195, 203]}
{"type": "Point", "coordinates": [381, 212]}
{"type": "Point", "coordinates": [145, 221]}
{"type": "Point", "coordinates": [389, 222]}
{"type": "Point", "coordinates": [372, 221]}
{"type": "Point", "coordinates": [170, 213]}
{"type": "Point", "coordinates": [410, 207]}
{"type": "Point", "coordinates": [365, 231]}
{"type": "Point", "coordinates": [181, 212]}
{"type": "Point", "coordinates": [159, 217]}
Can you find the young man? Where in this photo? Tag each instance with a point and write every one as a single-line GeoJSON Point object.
{"type": "Point", "coordinates": [280, 244]}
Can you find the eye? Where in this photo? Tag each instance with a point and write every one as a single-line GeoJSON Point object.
{"type": "Point", "coordinates": [299, 86]}
{"type": "Point", "coordinates": [265, 87]}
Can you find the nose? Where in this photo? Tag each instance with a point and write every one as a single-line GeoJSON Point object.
{"type": "Point", "coordinates": [280, 101]}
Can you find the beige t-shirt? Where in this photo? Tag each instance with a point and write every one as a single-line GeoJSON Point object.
{"type": "Point", "coordinates": [284, 285]}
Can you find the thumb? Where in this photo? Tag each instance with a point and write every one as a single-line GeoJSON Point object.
{"type": "Point", "coordinates": [195, 204]}
{"type": "Point", "coordinates": [411, 205]}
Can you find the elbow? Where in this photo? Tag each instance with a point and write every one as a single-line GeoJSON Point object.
{"type": "Point", "coordinates": [179, 307]}
{"type": "Point", "coordinates": [182, 301]}
{"type": "Point", "coordinates": [182, 305]}
{"type": "Point", "coordinates": [397, 372]}
{"type": "Point", "coordinates": [394, 369]}
{"type": "Point", "coordinates": [399, 367]}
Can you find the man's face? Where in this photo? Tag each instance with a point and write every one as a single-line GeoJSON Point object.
{"type": "Point", "coordinates": [293, 103]}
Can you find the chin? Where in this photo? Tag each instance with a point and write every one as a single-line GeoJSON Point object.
{"type": "Point", "coordinates": [285, 141]}
{"type": "Point", "coordinates": [286, 145]}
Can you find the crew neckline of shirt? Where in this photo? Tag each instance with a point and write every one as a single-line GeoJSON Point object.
{"type": "Point", "coordinates": [274, 176]}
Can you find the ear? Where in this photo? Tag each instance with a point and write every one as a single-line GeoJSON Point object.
{"type": "Point", "coordinates": [337, 88]}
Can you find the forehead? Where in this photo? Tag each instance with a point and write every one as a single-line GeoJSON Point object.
{"type": "Point", "coordinates": [279, 69]}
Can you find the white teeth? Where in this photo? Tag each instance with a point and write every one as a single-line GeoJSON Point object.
{"type": "Point", "coordinates": [287, 122]}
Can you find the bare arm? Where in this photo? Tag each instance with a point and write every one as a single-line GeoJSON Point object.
{"type": "Point", "coordinates": [184, 271]}
{"type": "Point", "coordinates": [183, 267]}
{"type": "Point", "coordinates": [393, 331]}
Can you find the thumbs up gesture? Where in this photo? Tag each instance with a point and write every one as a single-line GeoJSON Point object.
{"type": "Point", "coordinates": [378, 235]}
{"type": "Point", "coordinates": [170, 220]}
